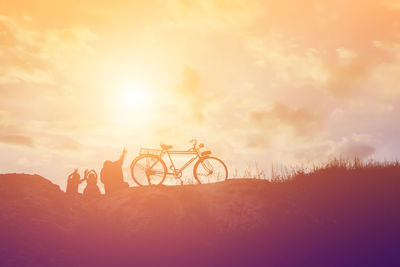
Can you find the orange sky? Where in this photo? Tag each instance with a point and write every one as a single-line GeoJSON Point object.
{"type": "Point", "coordinates": [267, 81]}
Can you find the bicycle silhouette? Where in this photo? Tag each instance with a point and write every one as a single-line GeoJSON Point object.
{"type": "Point", "coordinates": [149, 168]}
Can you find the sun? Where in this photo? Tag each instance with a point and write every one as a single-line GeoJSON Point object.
{"type": "Point", "coordinates": [134, 96]}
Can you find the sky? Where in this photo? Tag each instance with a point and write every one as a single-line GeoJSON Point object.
{"type": "Point", "coordinates": [259, 82]}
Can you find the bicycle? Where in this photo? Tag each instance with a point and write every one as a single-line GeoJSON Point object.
{"type": "Point", "coordinates": [150, 169]}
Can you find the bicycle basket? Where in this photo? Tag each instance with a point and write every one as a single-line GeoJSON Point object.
{"type": "Point", "coordinates": [150, 151]}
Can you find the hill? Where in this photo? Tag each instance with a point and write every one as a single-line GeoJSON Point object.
{"type": "Point", "coordinates": [331, 217]}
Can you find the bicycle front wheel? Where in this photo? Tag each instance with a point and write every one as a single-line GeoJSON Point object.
{"type": "Point", "coordinates": [210, 170]}
{"type": "Point", "coordinates": [148, 170]}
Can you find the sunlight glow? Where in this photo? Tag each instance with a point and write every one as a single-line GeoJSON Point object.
{"type": "Point", "coordinates": [134, 96]}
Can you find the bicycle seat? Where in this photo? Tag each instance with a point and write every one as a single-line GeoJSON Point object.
{"type": "Point", "coordinates": [166, 147]}
{"type": "Point", "coordinates": [206, 153]}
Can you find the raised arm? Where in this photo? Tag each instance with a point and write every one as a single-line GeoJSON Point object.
{"type": "Point", "coordinates": [121, 159]}
{"type": "Point", "coordinates": [85, 176]}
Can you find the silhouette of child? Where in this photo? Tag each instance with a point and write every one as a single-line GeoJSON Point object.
{"type": "Point", "coordinates": [111, 175]}
{"type": "Point", "coordinates": [91, 190]}
{"type": "Point", "coordinates": [74, 179]}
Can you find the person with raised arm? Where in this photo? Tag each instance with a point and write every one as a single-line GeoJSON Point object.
{"type": "Point", "coordinates": [91, 189]}
{"type": "Point", "coordinates": [73, 182]}
{"type": "Point", "coordinates": [112, 176]}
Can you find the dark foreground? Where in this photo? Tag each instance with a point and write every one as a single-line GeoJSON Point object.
{"type": "Point", "coordinates": [337, 218]}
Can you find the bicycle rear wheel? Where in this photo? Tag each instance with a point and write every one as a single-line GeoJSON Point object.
{"type": "Point", "coordinates": [210, 170]}
{"type": "Point", "coordinates": [148, 170]}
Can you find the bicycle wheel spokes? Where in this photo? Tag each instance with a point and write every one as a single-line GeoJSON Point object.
{"type": "Point", "coordinates": [148, 169]}
{"type": "Point", "coordinates": [210, 170]}
{"type": "Point", "coordinates": [148, 159]}
{"type": "Point", "coordinates": [157, 172]}
{"type": "Point", "coordinates": [141, 166]}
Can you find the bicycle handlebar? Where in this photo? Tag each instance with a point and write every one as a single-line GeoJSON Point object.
{"type": "Point", "coordinates": [194, 142]}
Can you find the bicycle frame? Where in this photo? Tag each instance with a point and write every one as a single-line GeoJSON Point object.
{"type": "Point", "coordinates": [180, 152]}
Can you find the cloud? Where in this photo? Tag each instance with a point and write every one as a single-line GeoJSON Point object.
{"type": "Point", "coordinates": [189, 85]}
{"type": "Point", "coordinates": [392, 4]}
{"type": "Point", "coordinates": [194, 96]}
{"type": "Point", "coordinates": [16, 75]}
{"type": "Point", "coordinates": [68, 146]}
{"type": "Point", "coordinates": [257, 140]}
{"type": "Point", "coordinates": [19, 140]}
{"type": "Point", "coordinates": [3, 117]}
{"type": "Point", "coordinates": [7, 124]}
{"type": "Point", "coordinates": [384, 77]}
{"type": "Point", "coordinates": [345, 69]}
{"type": "Point", "coordinates": [38, 56]}
{"type": "Point", "coordinates": [279, 128]}
{"type": "Point", "coordinates": [291, 65]}
{"type": "Point", "coordinates": [302, 121]}
{"type": "Point", "coordinates": [356, 149]}
{"type": "Point", "coordinates": [286, 63]}
{"type": "Point", "coordinates": [61, 142]}
{"type": "Point", "coordinates": [357, 145]}
{"type": "Point", "coordinates": [213, 14]}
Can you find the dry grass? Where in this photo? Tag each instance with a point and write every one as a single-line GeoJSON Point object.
{"type": "Point", "coordinates": [282, 173]}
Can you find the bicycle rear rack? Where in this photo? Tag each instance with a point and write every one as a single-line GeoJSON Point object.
{"type": "Point", "coordinates": [150, 151]}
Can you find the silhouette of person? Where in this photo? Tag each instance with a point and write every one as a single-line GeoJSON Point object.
{"type": "Point", "coordinates": [74, 179]}
{"type": "Point", "coordinates": [91, 189]}
{"type": "Point", "coordinates": [111, 175]}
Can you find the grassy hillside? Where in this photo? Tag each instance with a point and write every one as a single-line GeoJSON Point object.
{"type": "Point", "coordinates": [336, 215]}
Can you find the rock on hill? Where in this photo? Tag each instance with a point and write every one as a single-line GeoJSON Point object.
{"type": "Point", "coordinates": [326, 220]}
